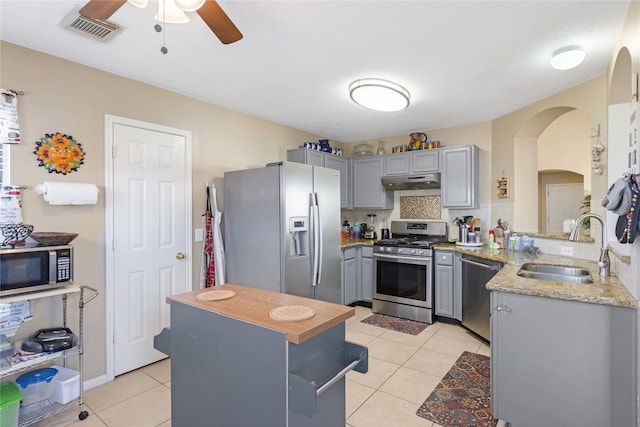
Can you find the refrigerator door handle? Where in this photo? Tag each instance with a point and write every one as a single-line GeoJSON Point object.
{"type": "Point", "coordinates": [316, 238]}
{"type": "Point", "coordinates": [320, 242]}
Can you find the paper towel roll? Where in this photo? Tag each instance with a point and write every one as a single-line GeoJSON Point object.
{"type": "Point", "coordinates": [68, 193]}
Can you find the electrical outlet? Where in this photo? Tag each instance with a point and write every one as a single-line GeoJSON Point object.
{"type": "Point", "coordinates": [566, 250]}
{"type": "Point", "coordinates": [199, 234]}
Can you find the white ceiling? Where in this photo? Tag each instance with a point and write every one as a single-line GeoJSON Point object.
{"type": "Point", "coordinates": [463, 61]}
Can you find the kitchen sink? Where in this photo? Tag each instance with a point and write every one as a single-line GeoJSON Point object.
{"type": "Point", "coordinates": [557, 273]}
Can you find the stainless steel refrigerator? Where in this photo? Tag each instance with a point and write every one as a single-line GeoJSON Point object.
{"type": "Point", "coordinates": [282, 229]}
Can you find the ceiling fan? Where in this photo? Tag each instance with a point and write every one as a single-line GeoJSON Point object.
{"type": "Point", "coordinates": [210, 12]}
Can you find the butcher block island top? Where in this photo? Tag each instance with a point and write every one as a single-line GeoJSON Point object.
{"type": "Point", "coordinates": [255, 305]}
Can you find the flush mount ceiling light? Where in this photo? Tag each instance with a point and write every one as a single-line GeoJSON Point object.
{"type": "Point", "coordinates": [379, 95]}
{"type": "Point", "coordinates": [567, 57]}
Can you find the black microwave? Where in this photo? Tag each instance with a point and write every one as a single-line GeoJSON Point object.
{"type": "Point", "coordinates": [35, 268]}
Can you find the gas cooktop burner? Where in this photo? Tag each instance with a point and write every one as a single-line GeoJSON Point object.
{"type": "Point", "coordinates": [416, 242]}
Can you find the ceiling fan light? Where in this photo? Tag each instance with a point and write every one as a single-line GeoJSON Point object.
{"type": "Point", "coordinates": [379, 94]}
{"type": "Point", "coordinates": [189, 5]}
{"type": "Point", "coordinates": [139, 3]}
{"type": "Point", "coordinates": [169, 13]}
{"type": "Point", "coordinates": [568, 57]}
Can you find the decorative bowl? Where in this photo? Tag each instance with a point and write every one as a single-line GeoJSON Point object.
{"type": "Point", "coordinates": [53, 238]}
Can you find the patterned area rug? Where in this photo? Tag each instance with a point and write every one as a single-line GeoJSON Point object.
{"type": "Point", "coordinates": [463, 397]}
{"type": "Point", "coordinates": [395, 324]}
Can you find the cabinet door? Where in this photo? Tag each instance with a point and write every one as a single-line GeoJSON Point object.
{"type": "Point", "coordinates": [366, 274]}
{"type": "Point", "coordinates": [341, 164]}
{"type": "Point", "coordinates": [545, 351]}
{"type": "Point", "coordinates": [425, 161]}
{"type": "Point", "coordinates": [309, 157]}
{"type": "Point", "coordinates": [349, 275]}
{"type": "Point", "coordinates": [459, 177]}
{"type": "Point", "coordinates": [397, 164]}
{"type": "Point", "coordinates": [368, 192]}
{"type": "Point", "coordinates": [444, 284]}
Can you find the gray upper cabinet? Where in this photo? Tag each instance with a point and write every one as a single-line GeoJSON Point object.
{"type": "Point", "coordinates": [368, 192]}
{"type": "Point", "coordinates": [327, 160]}
{"type": "Point", "coordinates": [460, 182]}
{"type": "Point", "coordinates": [411, 162]}
{"type": "Point", "coordinates": [342, 164]}
{"type": "Point", "coordinates": [309, 157]}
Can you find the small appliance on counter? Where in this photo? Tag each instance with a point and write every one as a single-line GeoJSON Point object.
{"type": "Point", "coordinates": [371, 227]}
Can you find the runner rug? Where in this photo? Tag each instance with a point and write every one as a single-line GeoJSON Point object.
{"type": "Point", "coordinates": [463, 397]}
{"type": "Point", "coordinates": [395, 324]}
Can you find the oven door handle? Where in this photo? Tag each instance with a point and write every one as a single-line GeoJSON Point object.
{"type": "Point", "coordinates": [405, 259]}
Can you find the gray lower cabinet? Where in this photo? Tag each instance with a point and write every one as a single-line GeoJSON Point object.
{"type": "Point", "coordinates": [366, 273]}
{"type": "Point", "coordinates": [231, 372]}
{"type": "Point", "coordinates": [448, 284]}
{"type": "Point", "coordinates": [367, 189]}
{"type": "Point", "coordinates": [444, 290]}
{"type": "Point", "coordinates": [327, 160]}
{"type": "Point", "coordinates": [357, 274]}
{"type": "Point", "coordinates": [350, 275]}
{"type": "Point", "coordinates": [562, 363]}
{"type": "Point", "coordinates": [460, 177]}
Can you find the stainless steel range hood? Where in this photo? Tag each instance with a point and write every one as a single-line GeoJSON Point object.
{"type": "Point", "coordinates": [412, 182]}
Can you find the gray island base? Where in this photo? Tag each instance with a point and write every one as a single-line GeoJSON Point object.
{"type": "Point", "coordinates": [232, 365]}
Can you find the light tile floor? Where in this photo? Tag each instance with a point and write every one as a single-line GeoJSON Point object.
{"type": "Point", "coordinates": [403, 370]}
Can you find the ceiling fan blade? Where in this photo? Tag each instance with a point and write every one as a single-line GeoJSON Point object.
{"type": "Point", "coordinates": [101, 9]}
{"type": "Point", "coordinates": [221, 25]}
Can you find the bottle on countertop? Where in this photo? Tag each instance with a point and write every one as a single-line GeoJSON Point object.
{"type": "Point", "coordinates": [478, 236]}
{"type": "Point", "coordinates": [346, 229]}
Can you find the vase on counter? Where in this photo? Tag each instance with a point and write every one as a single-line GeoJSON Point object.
{"type": "Point", "coordinates": [380, 151]}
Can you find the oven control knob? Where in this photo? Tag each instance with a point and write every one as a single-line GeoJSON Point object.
{"type": "Point", "coordinates": [413, 251]}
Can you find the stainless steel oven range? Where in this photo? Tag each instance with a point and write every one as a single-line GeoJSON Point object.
{"type": "Point", "coordinates": [403, 269]}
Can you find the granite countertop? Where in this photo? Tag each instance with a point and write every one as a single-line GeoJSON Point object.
{"type": "Point", "coordinates": [348, 243]}
{"type": "Point", "coordinates": [604, 290]}
{"type": "Point", "coordinates": [253, 305]}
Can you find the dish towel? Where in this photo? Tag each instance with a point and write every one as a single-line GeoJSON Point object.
{"type": "Point", "coordinates": [213, 257]}
{"type": "Point", "coordinates": [68, 193]}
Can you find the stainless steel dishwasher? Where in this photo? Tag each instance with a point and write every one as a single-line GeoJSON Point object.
{"type": "Point", "coordinates": [476, 311]}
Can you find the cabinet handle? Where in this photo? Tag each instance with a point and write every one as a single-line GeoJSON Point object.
{"type": "Point", "coordinates": [503, 309]}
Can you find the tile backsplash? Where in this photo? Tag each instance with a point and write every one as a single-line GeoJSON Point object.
{"type": "Point", "coordinates": [420, 207]}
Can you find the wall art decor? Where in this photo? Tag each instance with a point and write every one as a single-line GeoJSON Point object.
{"type": "Point", "coordinates": [59, 153]}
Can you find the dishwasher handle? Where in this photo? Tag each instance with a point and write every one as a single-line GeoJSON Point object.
{"type": "Point", "coordinates": [493, 267]}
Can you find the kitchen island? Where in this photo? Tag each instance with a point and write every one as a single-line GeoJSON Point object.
{"type": "Point", "coordinates": [233, 364]}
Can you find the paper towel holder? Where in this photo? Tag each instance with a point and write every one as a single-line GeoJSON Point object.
{"type": "Point", "coordinates": [86, 199]}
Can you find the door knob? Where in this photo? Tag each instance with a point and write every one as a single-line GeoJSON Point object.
{"type": "Point", "coordinates": [179, 255]}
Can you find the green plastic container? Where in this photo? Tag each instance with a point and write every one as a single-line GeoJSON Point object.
{"type": "Point", "coordinates": [10, 398]}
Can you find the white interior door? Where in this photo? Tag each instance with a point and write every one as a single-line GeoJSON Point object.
{"type": "Point", "coordinates": [151, 245]}
{"type": "Point", "coordinates": [563, 202]}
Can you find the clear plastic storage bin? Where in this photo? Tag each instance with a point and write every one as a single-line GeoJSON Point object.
{"type": "Point", "coordinates": [36, 385]}
{"type": "Point", "coordinates": [66, 385]}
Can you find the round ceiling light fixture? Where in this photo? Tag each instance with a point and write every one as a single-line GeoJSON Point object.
{"type": "Point", "coordinates": [567, 57]}
{"type": "Point", "coordinates": [379, 94]}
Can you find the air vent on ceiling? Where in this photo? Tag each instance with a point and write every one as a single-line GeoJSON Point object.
{"type": "Point", "coordinates": [94, 28]}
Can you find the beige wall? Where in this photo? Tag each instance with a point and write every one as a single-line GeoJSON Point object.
{"type": "Point", "coordinates": [73, 99]}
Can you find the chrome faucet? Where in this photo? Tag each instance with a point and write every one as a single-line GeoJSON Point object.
{"type": "Point", "coordinates": [603, 262]}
